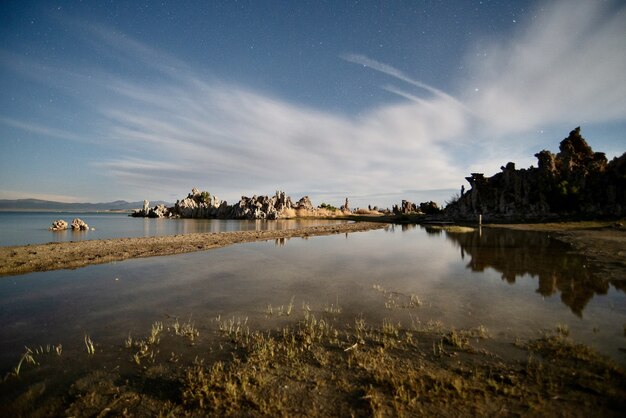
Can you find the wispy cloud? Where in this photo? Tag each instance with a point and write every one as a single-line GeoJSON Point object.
{"type": "Point", "coordinates": [394, 72]}
{"type": "Point", "coordinates": [235, 138]}
{"type": "Point", "coordinates": [46, 131]}
{"type": "Point", "coordinates": [568, 66]}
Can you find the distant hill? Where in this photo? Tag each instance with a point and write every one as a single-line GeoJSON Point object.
{"type": "Point", "coordinates": [36, 204]}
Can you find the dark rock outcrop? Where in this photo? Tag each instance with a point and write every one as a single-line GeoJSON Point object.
{"type": "Point", "coordinates": [405, 208]}
{"type": "Point", "coordinates": [574, 182]}
{"type": "Point", "coordinates": [408, 208]}
{"type": "Point", "coordinates": [430, 208]}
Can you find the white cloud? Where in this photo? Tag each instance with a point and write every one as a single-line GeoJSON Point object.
{"type": "Point", "coordinates": [234, 140]}
{"type": "Point", "coordinates": [567, 67]}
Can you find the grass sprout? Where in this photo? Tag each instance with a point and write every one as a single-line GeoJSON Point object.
{"type": "Point", "coordinates": [91, 349]}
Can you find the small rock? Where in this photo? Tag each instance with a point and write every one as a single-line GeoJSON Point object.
{"type": "Point", "coordinates": [59, 225]}
{"type": "Point", "coordinates": [78, 224]}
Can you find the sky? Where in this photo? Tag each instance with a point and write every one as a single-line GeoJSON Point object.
{"type": "Point", "coordinates": [374, 101]}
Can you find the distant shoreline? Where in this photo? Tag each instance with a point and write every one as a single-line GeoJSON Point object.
{"type": "Point", "coordinates": [70, 255]}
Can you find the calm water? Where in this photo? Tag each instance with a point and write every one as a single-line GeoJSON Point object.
{"type": "Point", "coordinates": [21, 228]}
{"type": "Point", "coordinates": [513, 283]}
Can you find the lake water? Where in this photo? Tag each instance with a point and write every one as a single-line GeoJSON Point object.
{"type": "Point", "coordinates": [513, 283]}
{"type": "Point", "coordinates": [22, 228]}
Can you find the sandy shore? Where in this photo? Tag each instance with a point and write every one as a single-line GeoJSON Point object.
{"type": "Point", "coordinates": [70, 255]}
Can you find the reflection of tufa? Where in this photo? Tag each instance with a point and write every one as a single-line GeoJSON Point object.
{"type": "Point", "coordinates": [518, 255]}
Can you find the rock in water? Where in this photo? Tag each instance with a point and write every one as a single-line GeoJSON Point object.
{"type": "Point", "coordinates": [79, 225]}
{"type": "Point", "coordinates": [59, 225]}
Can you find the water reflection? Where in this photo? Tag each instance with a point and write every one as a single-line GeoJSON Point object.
{"type": "Point", "coordinates": [516, 254]}
{"type": "Point", "coordinates": [108, 301]}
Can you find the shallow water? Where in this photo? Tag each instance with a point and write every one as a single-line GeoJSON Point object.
{"type": "Point", "coordinates": [22, 228]}
{"type": "Point", "coordinates": [513, 283]}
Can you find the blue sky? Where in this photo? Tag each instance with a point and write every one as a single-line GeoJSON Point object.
{"type": "Point", "coordinates": [375, 101]}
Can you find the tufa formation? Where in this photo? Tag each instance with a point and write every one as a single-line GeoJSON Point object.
{"type": "Point", "coordinates": [576, 182]}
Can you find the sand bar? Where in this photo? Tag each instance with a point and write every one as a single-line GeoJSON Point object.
{"type": "Point", "coordinates": [70, 255]}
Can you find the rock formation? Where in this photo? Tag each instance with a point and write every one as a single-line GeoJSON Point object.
{"type": "Point", "coordinates": [429, 208]}
{"type": "Point", "coordinates": [263, 207]}
{"type": "Point", "coordinates": [574, 182]}
{"type": "Point", "coordinates": [304, 204]}
{"type": "Point", "coordinates": [199, 204]}
{"type": "Point", "coordinates": [406, 208]}
{"type": "Point", "coordinates": [159, 211]}
{"type": "Point", "coordinates": [59, 225]}
{"type": "Point", "coordinates": [79, 225]}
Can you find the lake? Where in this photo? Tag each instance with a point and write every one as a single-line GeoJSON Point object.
{"type": "Point", "coordinates": [22, 228]}
{"type": "Point", "coordinates": [510, 282]}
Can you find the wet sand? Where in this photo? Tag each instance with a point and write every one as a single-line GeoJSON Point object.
{"type": "Point", "coordinates": [70, 255]}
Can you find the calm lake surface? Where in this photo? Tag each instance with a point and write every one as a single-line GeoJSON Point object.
{"type": "Point", "coordinates": [513, 283]}
{"type": "Point", "coordinates": [22, 228]}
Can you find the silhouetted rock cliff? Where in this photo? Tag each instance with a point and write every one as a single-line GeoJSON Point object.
{"type": "Point", "coordinates": [574, 182]}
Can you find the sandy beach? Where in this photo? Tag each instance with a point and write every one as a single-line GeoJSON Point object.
{"type": "Point", "coordinates": [70, 255]}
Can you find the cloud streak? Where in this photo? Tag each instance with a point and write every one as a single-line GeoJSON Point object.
{"type": "Point", "coordinates": [394, 72]}
{"type": "Point", "coordinates": [566, 67]}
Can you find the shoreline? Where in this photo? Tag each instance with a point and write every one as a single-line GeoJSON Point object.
{"type": "Point", "coordinates": [18, 260]}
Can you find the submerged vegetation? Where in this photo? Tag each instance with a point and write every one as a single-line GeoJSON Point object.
{"type": "Point", "coordinates": [317, 363]}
